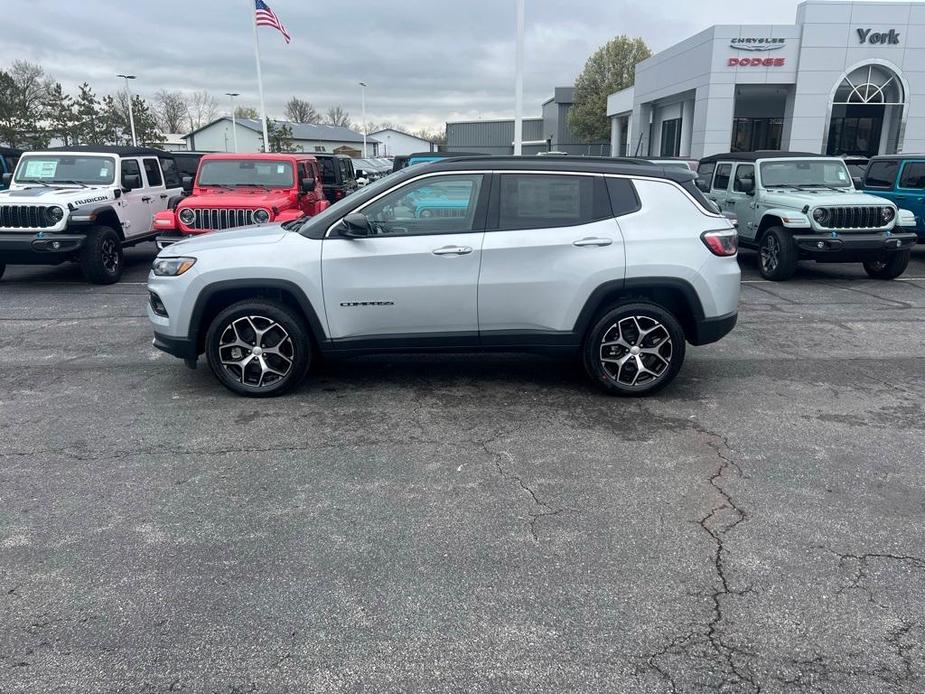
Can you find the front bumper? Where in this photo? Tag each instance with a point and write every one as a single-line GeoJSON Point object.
{"type": "Point", "coordinates": [838, 247]}
{"type": "Point", "coordinates": [42, 248]}
{"type": "Point", "coordinates": [181, 347]}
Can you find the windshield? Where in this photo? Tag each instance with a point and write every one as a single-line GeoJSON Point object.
{"type": "Point", "coordinates": [246, 172]}
{"type": "Point", "coordinates": [65, 168]}
{"type": "Point", "coordinates": [806, 172]}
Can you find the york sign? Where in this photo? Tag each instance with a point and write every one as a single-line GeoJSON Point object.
{"type": "Point", "coordinates": [874, 38]}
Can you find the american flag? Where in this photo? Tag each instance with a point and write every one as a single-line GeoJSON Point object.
{"type": "Point", "coordinates": [267, 18]}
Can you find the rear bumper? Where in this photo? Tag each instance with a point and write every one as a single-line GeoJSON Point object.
{"type": "Point", "coordinates": [852, 246]}
{"type": "Point", "coordinates": [42, 248]}
{"type": "Point", "coordinates": [709, 330]}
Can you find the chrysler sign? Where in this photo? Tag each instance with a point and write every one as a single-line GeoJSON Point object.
{"type": "Point", "coordinates": [757, 44]}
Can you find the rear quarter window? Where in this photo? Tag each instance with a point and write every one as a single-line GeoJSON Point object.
{"type": "Point", "coordinates": [881, 174]}
{"type": "Point", "coordinates": [913, 175]}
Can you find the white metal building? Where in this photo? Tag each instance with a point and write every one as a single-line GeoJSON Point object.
{"type": "Point", "coordinates": [846, 78]}
{"type": "Point", "coordinates": [218, 136]}
{"type": "Point", "coordinates": [394, 143]}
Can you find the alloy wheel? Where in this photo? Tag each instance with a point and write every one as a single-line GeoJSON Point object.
{"type": "Point", "coordinates": [256, 351]}
{"type": "Point", "coordinates": [770, 253]}
{"type": "Point", "coordinates": [636, 351]}
{"type": "Point", "coordinates": [109, 255]}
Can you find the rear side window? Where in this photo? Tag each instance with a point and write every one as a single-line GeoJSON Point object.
{"type": "Point", "coordinates": [881, 174]}
{"type": "Point", "coordinates": [913, 175]}
{"type": "Point", "coordinates": [328, 173]}
{"type": "Point", "coordinates": [153, 172]}
{"type": "Point", "coordinates": [187, 165]}
{"type": "Point", "coordinates": [346, 169]}
{"type": "Point", "coordinates": [623, 197]}
{"type": "Point", "coordinates": [721, 180]}
{"type": "Point", "coordinates": [171, 177]}
{"type": "Point", "coordinates": [540, 201]}
{"type": "Point", "coordinates": [705, 171]}
{"type": "Point", "coordinates": [698, 195]}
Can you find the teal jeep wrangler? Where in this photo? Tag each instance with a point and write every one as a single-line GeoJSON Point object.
{"type": "Point", "coordinates": [792, 206]}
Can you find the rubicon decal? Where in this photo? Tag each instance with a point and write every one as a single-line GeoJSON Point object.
{"type": "Point", "coordinates": [87, 201]}
{"type": "Point", "coordinates": [352, 304]}
{"type": "Point", "coordinates": [756, 62]}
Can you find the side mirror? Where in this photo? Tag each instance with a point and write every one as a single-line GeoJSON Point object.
{"type": "Point", "coordinates": [131, 181]}
{"type": "Point", "coordinates": [7, 177]}
{"type": "Point", "coordinates": [703, 184]}
{"type": "Point", "coordinates": [355, 225]}
{"type": "Point", "coordinates": [186, 182]}
{"type": "Point", "coordinates": [307, 184]}
{"type": "Point", "coordinates": [854, 179]}
{"type": "Point", "coordinates": [747, 186]}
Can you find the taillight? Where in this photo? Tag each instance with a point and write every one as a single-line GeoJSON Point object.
{"type": "Point", "coordinates": [722, 242]}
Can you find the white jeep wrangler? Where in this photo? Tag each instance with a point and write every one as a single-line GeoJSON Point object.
{"type": "Point", "coordinates": [84, 204]}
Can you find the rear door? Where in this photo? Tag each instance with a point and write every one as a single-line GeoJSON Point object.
{"type": "Point", "coordinates": [135, 204]}
{"type": "Point", "coordinates": [719, 189]}
{"type": "Point", "coordinates": [550, 242]}
{"type": "Point", "coordinates": [158, 194]}
{"type": "Point", "coordinates": [414, 280]}
{"type": "Point", "coordinates": [910, 194]}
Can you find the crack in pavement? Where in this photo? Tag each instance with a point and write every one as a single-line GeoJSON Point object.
{"type": "Point", "coordinates": [862, 561]}
{"type": "Point", "coordinates": [547, 512]}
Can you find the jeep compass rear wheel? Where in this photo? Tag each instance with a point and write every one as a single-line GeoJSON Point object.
{"type": "Point", "coordinates": [258, 348]}
{"type": "Point", "coordinates": [634, 349]}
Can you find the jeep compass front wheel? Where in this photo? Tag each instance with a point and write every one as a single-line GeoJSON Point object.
{"type": "Point", "coordinates": [258, 348]}
{"type": "Point", "coordinates": [634, 349]}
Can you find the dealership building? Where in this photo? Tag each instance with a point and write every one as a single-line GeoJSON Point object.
{"type": "Point", "coordinates": [846, 78]}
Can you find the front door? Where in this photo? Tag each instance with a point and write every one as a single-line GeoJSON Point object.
{"type": "Point", "coordinates": [553, 242]}
{"type": "Point", "coordinates": [741, 200]}
{"type": "Point", "coordinates": [910, 194]}
{"type": "Point", "coordinates": [417, 272]}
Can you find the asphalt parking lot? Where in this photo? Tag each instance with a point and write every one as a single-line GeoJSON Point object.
{"type": "Point", "coordinates": [431, 524]}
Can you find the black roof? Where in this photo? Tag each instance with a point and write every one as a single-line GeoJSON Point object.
{"type": "Point", "coordinates": [759, 154]}
{"type": "Point", "coordinates": [446, 155]}
{"type": "Point", "coordinates": [112, 149]}
{"type": "Point", "coordinates": [896, 157]}
{"type": "Point", "coordinates": [569, 164]}
{"type": "Point", "coordinates": [10, 152]}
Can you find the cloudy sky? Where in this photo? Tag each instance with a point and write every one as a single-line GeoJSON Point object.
{"type": "Point", "coordinates": [426, 61]}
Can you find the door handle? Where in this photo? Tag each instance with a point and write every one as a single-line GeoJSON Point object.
{"type": "Point", "coordinates": [163, 195]}
{"type": "Point", "coordinates": [592, 241]}
{"type": "Point", "coordinates": [452, 250]}
{"type": "Point", "coordinates": [146, 199]}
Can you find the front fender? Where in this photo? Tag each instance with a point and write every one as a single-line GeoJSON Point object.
{"type": "Point", "coordinates": [165, 220]}
{"type": "Point", "coordinates": [791, 219]}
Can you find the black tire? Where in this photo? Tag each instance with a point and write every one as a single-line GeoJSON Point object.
{"type": "Point", "coordinates": [101, 257]}
{"type": "Point", "coordinates": [777, 255]}
{"type": "Point", "coordinates": [663, 335]}
{"type": "Point", "coordinates": [238, 324]}
{"type": "Point", "coordinates": [890, 266]}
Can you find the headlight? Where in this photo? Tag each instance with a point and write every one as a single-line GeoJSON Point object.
{"type": "Point", "coordinates": [821, 215]}
{"type": "Point", "coordinates": [261, 216]}
{"type": "Point", "coordinates": [172, 267]}
{"type": "Point", "coordinates": [55, 214]}
{"type": "Point", "coordinates": [187, 216]}
{"type": "Point", "coordinates": [887, 214]}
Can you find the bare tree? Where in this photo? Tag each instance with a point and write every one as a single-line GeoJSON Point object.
{"type": "Point", "coordinates": [338, 116]}
{"type": "Point", "coordinates": [171, 109]}
{"type": "Point", "coordinates": [301, 111]}
{"type": "Point", "coordinates": [203, 109]}
{"type": "Point", "coordinates": [246, 112]}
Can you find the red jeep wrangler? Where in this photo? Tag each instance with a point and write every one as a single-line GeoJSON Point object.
{"type": "Point", "coordinates": [236, 190]}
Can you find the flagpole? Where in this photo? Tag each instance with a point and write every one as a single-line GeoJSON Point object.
{"type": "Point", "coordinates": [263, 109]}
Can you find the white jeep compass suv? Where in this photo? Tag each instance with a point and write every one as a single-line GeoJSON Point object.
{"type": "Point", "coordinates": [622, 263]}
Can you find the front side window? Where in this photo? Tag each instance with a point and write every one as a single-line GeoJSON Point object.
{"type": "Point", "coordinates": [913, 175]}
{"type": "Point", "coordinates": [540, 201]}
{"type": "Point", "coordinates": [246, 172]}
{"type": "Point", "coordinates": [433, 205]}
{"type": "Point", "coordinates": [153, 172]}
{"type": "Point", "coordinates": [745, 178]}
{"type": "Point", "coordinates": [721, 180]}
{"type": "Point", "coordinates": [130, 168]}
{"type": "Point", "coordinates": [805, 173]}
{"type": "Point", "coordinates": [66, 168]}
{"type": "Point", "coordinates": [882, 174]}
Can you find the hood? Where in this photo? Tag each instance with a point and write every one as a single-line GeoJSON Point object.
{"type": "Point", "coordinates": [246, 197]}
{"type": "Point", "coordinates": [229, 238]}
{"type": "Point", "coordinates": [73, 196]}
{"type": "Point", "coordinates": [794, 198]}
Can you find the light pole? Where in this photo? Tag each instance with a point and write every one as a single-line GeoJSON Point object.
{"type": "Point", "coordinates": [234, 123]}
{"type": "Point", "coordinates": [519, 82]}
{"type": "Point", "coordinates": [363, 102]}
{"type": "Point", "coordinates": [131, 116]}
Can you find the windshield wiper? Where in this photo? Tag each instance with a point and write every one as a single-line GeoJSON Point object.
{"type": "Point", "coordinates": [293, 224]}
{"type": "Point", "coordinates": [71, 182]}
{"type": "Point", "coordinates": [33, 180]}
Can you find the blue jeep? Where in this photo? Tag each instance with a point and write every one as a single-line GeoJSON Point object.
{"type": "Point", "coordinates": [900, 178]}
{"type": "Point", "coordinates": [8, 159]}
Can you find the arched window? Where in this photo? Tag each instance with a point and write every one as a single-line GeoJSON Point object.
{"type": "Point", "coordinates": [870, 84]}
